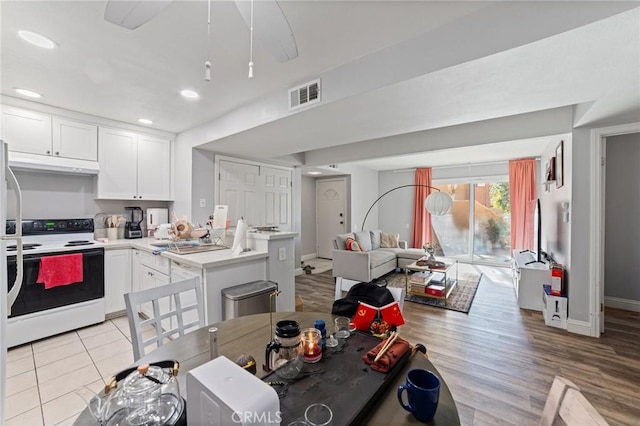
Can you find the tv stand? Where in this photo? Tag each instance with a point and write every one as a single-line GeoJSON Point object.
{"type": "Point", "coordinates": [528, 277]}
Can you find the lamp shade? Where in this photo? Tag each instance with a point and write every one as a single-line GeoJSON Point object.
{"type": "Point", "coordinates": [438, 203]}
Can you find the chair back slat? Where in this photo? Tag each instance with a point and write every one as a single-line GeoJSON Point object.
{"type": "Point", "coordinates": [565, 402]}
{"type": "Point", "coordinates": [174, 315]}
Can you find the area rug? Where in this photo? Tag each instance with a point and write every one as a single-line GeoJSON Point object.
{"type": "Point", "coordinates": [460, 299]}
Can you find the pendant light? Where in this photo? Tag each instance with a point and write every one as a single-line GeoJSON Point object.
{"type": "Point", "coordinates": [207, 64]}
{"type": "Point", "coordinates": [251, 44]}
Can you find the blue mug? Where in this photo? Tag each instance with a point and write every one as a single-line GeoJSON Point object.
{"type": "Point", "coordinates": [423, 391]}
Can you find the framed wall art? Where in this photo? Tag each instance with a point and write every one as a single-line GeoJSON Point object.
{"type": "Point", "coordinates": [559, 170]}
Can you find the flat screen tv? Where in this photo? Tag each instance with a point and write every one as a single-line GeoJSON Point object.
{"type": "Point", "coordinates": [537, 222]}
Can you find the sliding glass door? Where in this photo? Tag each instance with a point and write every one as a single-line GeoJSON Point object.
{"type": "Point", "coordinates": [479, 225]}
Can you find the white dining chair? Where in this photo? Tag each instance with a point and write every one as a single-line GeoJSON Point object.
{"type": "Point", "coordinates": [174, 312]}
{"type": "Point", "coordinates": [565, 402]}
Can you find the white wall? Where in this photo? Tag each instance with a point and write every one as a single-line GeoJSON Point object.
{"type": "Point", "coordinates": [556, 234]}
{"type": "Point", "coordinates": [308, 212]}
{"type": "Point", "coordinates": [622, 218]}
{"type": "Point", "coordinates": [66, 196]}
{"type": "Point", "coordinates": [362, 188]}
{"type": "Point", "coordinates": [202, 178]}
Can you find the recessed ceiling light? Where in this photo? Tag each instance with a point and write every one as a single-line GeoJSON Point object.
{"type": "Point", "coordinates": [314, 173]}
{"type": "Point", "coordinates": [145, 121]}
{"type": "Point", "coordinates": [29, 93]}
{"type": "Point", "coordinates": [37, 39]}
{"type": "Point", "coordinates": [191, 94]}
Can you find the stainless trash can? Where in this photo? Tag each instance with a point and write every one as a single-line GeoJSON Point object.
{"type": "Point", "coordinates": [247, 299]}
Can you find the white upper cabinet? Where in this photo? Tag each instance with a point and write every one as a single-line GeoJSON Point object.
{"type": "Point", "coordinates": [133, 166]}
{"type": "Point", "coordinates": [118, 164]}
{"type": "Point", "coordinates": [26, 131]}
{"type": "Point", "coordinates": [73, 139]}
{"type": "Point", "coordinates": [32, 132]}
{"type": "Point", "coordinates": [154, 168]}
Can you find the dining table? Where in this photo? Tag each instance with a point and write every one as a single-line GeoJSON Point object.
{"type": "Point", "coordinates": [250, 334]}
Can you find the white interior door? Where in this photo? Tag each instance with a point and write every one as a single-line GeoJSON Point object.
{"type": "Point", "coordinates": [331, 213]}
{"type": "Point", "coordinates": [277, 197]}
{"type": "Point", "coordinates": [239, 188]}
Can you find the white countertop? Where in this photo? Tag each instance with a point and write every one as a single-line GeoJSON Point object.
{"type": "Point", "coordinates": [203, 260]}
{"type": "Point", "coordinates": [269, 235]}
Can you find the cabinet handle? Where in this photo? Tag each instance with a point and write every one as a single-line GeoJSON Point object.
{"type": "Point", "coordinates": [57, 153]}
{"type": "Point", "coordinates": [140, 196]}
{"type": "Point", "coordinates": [135, 196]}
{"type": "Point", "coordinates": [48, 152]}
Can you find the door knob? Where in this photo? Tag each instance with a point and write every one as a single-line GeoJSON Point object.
{"type": "Point", "coordinates": [342, 222]}
{"type": "Point", "coordinates": [340, 214]}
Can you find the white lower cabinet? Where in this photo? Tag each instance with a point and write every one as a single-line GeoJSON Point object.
{"type": "Point", "coordinates": [117, 279]}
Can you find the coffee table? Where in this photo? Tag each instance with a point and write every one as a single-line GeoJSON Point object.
{"type": "Point", "coordinates": [446, 269]}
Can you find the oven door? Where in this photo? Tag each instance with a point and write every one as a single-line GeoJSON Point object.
{"type": "Point", "coordinates": [33, 297]}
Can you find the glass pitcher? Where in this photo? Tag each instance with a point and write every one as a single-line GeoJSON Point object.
{"type": "Point", "coordinates": [284, 353]}
{"type": "Point", "coordinates": [147, 395]}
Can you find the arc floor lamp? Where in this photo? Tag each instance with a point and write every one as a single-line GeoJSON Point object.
{"type": "Point", "coordinates": [437, 203]}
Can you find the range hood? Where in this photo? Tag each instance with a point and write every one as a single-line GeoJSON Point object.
{"type": "Point", "coordinates": [48, 163]}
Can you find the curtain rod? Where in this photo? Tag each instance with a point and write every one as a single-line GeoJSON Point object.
{"type": "Point", "coordinates": [457, 165]}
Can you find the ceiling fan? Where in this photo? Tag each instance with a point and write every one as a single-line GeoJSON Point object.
{"type": "Point", "coordinates": [275, 32]}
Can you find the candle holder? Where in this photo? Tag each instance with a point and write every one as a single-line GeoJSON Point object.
{"type": "Point", "coordinates": [311, 345]}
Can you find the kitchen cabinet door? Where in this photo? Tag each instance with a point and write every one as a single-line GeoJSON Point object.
{"type": "Point", "coordinates": [73, 139]}
{"type": "Point", "coordinates": [117, 279]}
{"type": "Point", "coordinates": [117, 155]}
{"type": "Point", "coordinates": [154, 168]}
{"type": "Point", "coordinates": [26, 131]}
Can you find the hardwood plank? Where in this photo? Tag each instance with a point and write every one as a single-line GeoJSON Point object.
{"type": "Point", "coordinates": [499, 360]}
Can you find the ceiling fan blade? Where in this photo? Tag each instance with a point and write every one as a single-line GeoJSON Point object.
{"type": "Point", "coordinates": [132, 14]}
{"type": "Point", "coordinates": [270, 27]}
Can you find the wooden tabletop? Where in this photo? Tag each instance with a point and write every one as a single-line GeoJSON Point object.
{"type": "Point", "coordinates": [250, 335]}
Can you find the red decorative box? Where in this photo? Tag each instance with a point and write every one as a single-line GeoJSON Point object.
{"type": "Point", "coordinates": [436, 290]}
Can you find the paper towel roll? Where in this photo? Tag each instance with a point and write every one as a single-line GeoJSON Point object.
{"type": "Point", "coordinates": [240, 238]}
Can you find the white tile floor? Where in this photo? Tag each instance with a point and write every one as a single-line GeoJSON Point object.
{"type": "Point", "coordinates": [43, 376]}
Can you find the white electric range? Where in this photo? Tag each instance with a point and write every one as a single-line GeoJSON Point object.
{"type": "Point", "coordinates": [40, 312]}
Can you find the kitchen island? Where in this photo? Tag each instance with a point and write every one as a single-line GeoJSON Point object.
{"type": "Point", "coordinates": [270, 258]}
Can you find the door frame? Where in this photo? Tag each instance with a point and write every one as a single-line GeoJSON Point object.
{"type": "Point", "coordinates": [347, 200]}
{"type": "Point", "coordinates": [597, 223]}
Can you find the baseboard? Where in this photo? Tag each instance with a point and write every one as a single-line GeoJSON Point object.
{"type": "Point", "coordinates": [626, 304]}
{"type": "Point", "coordinates": [579, 327]}
{"type": "Point", "coordinates": [308, 256]}
{"type": "Point", "coordinates": [299, 271]}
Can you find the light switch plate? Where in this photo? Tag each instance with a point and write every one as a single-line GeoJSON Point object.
{"type": "Point", "coordinates": [282, 253]}
{"type": "Point", "coordinates": [203, 202]}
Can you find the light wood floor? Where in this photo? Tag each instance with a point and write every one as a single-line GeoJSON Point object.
{"type": "Point", "coordinates": [499, 360]}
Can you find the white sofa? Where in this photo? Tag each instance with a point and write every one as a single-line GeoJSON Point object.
{"type": "Point", "coordinates": [374, 261]}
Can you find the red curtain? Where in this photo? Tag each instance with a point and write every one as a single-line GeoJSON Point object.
{"type": "Point", "coordinates": [523, 196]}
{"type": "Point", "coordinates": [421, 218]}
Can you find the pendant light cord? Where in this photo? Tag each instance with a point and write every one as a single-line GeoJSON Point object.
{"type": "Point", "coordinates": [251, 44]}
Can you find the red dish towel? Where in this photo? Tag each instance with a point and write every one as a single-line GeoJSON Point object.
{"type": "Point", "coordinates": [60, 270]}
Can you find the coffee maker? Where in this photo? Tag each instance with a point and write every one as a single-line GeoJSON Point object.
{"type": "Point", "coordinates": [132, 228]}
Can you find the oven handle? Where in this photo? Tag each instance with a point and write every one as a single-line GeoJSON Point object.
{"type": "Point", "coordinates": [12, 183]}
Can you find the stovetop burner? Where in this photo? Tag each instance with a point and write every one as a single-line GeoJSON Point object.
{"type": "Point", "coordinates": [78, 243]}
{"type": "Point", "coordinates": [24, 247]}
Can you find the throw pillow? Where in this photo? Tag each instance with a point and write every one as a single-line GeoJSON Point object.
{"type": "Point", "coordinates": [375, 239]}
{"type": "Point", "coordinates": [388, 240]}
{"type": "Point", "coordinates": [364, 239]}
{"type": "Point", "coordinates": [341, 241]}
{"type": "Point", "coordinates": [352, 245]}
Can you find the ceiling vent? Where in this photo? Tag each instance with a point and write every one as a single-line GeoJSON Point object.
{"type": "Point", "coordinates": [305, 94]}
